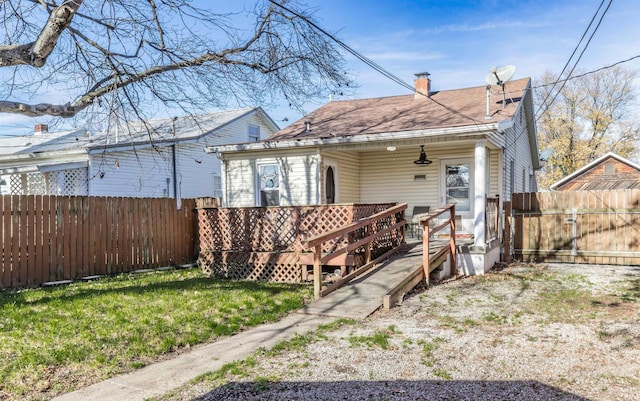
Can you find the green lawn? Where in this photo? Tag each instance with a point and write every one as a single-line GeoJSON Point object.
{"type": "Point", "coordinates": [54, 340]}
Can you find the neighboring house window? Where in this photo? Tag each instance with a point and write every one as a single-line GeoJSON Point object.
{"type": "Point", "coordinates": [254, 133]}
{"type": "Point", "coordinates": [217, 186]}
{"type": "Point", "coordinates": [609, 169]}
{"type": "Point", "coordinates": [269, 184]}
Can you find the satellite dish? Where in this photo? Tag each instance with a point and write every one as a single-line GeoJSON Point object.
{"type": "Point", "coordinates": [498, 76]}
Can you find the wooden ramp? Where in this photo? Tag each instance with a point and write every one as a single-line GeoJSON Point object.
{"type": "Point", "coordinates": [364, 295]}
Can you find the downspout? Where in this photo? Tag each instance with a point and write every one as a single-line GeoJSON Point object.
{"type": "Point", "coordinates": [175, 172]}
{"type": "Point", "coordinates": [175, 167]}
{"type": "Point", "coordinates": [223, 178]}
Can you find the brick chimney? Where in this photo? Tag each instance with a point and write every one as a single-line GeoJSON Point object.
{"type": "Point", "coordinates": [422, 85]}
{"type": "Point", "coordinates": [40, 129]}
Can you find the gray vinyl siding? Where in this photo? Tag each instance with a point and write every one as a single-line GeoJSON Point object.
{"type": "Point", "coordinates": [518, 150]}
{"type": "Point", "coordinates": [144, 171]}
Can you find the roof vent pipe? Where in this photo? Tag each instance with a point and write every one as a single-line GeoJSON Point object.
{"type": "Point", "coordinates": [488, 115]}
{"type": "Point", "coordinates": [307, 126]}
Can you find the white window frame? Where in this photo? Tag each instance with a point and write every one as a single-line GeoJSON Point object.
{"type": "Point", "coordinates": [251, 137]}
{"type": "Point", "coordinates": [443, 183]}
{"type": "Point", "coordinates": [258, 187]}
{"type": "Point", "coordinates": [216, 189]}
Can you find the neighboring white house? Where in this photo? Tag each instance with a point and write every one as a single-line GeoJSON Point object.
{"type": "Point", "coordinates": [166, 160]}
{"type": "Point", "coordinates": [476, 145]}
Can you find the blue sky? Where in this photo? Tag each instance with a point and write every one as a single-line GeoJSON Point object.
{"type": "Point", "coordinates": [459, 41]}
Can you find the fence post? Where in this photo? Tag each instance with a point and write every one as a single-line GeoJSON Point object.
{"type": "Point", "coordinates": [508, 221]}
{"type": "Point", "coordinates": [317, 271]}
{"type": "Point", "coordinates": [425, 249]}
{"type": "Point", "coordinates": [452, 241]}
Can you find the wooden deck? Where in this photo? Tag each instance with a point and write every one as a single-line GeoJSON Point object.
{"type": "Point", "coordinates": [364, 295]}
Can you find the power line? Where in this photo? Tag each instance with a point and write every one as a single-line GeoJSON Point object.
{"type": "Point", "coordinates": [371, 63]}
{"type": "Point", "coordinates": [584, 74]}
{"type": "Point", "coordinates": [544, 102]}
{"type": "Point", "coordinates": [574, 50]}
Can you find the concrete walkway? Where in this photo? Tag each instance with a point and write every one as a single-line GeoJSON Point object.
{"type": "Point", "coordinates": [159, 378]}
{"type": "Point", "coordinates": [358, 299]}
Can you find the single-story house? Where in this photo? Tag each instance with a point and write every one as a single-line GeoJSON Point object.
{"type": "Point", "coordinates": [163, 159]}
{"type": "Point", "coordinates": [609, 172]}
{"type": "Point", "coordinates": [425, 149]}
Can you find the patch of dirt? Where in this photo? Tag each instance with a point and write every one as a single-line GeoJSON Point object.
{"type": "Point", "coordinates": [525, 332]}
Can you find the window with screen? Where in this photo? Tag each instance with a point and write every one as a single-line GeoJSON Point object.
{"type": "Point", "coordinates": [269, 184]}
{"type": "Point", "coordinates": [254, 133]}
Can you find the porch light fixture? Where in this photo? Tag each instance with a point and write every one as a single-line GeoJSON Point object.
{"type": "Point", "coordinates": [422, 159]}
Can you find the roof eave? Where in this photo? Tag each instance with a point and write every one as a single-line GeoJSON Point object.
{"type": "Point", "coordinates": [589, 166]}
{"type": "Point", "coordinates": [350, 139]}
{"type": "Point", "coordinates": [182, 140]}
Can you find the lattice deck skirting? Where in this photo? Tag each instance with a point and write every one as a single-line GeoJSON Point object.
{"type": "Point", "coordinates": [265, 243]}
{"type": "Point", "coordinates": [261, 266]}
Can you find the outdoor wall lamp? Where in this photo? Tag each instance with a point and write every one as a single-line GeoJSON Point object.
{"type": "Point", "coordinates": [422, 159]}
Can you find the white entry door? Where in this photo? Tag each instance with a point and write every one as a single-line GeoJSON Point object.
{"type": "Point", "coordinates": [457, 185]}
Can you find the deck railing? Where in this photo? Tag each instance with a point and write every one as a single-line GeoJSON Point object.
{"type": "Point", "coordinates": [266, 243]}
{"type": "Point", "coordinates": [364, 234]}
{"type": "Point", "coordinates": [430, 262]}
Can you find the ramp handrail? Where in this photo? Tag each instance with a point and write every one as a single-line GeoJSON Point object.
{"type": "Point", "coordinates": [315, 244]}
{"type": "Point", "coordinates": [428, 261]}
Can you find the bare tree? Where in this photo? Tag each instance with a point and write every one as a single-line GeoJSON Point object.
{"type": "Point", "coordinates": [586, 119]}
{"type": "Point", "coordinates": [124, 54]}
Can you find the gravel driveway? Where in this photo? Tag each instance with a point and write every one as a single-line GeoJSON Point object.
{"type": "Point", "coordinates": [527, 332]}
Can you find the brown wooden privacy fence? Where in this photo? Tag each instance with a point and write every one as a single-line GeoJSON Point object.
{"type": "Point", "coordinates": [53, 238]}
{"type": "Point", "coordinates": [600, 227]}
{"type": "Point", "coordinates": [265, 243]}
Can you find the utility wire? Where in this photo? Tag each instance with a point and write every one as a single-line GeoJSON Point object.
{"type": "Point", "coordinates": [584, 74]}
{"type": "Point", "coordinates": [546, 105]}
{"type": "Point", "coordinates": [371, 63]}
{"type": "Point", "coordinates": [574, 51]}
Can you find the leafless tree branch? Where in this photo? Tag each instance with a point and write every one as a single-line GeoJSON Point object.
{"type": "Point", "coordinates": [163, 52]}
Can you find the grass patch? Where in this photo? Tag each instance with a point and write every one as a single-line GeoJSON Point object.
{"type": "Point", "coordinates": [631, 291]}
{"type": "Point", "coordinates": [379, 338]}
{"type": "Point", "coordinates": [568, 305]}
{"type": "Point", "coordinates": [245, 368]}
{"type": "Point", "coordinates": [428, 347]}
{"type": "Point", "coordinates": [500, 319]}
{"type": "Point", "coordinates": [53, 340]}
{"type": "Point", "coordinates": [441, 373]}
{"type": "Point", "coordinates": [459, 326]}
{"type": "Point", "coordinates": [300, 341]}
